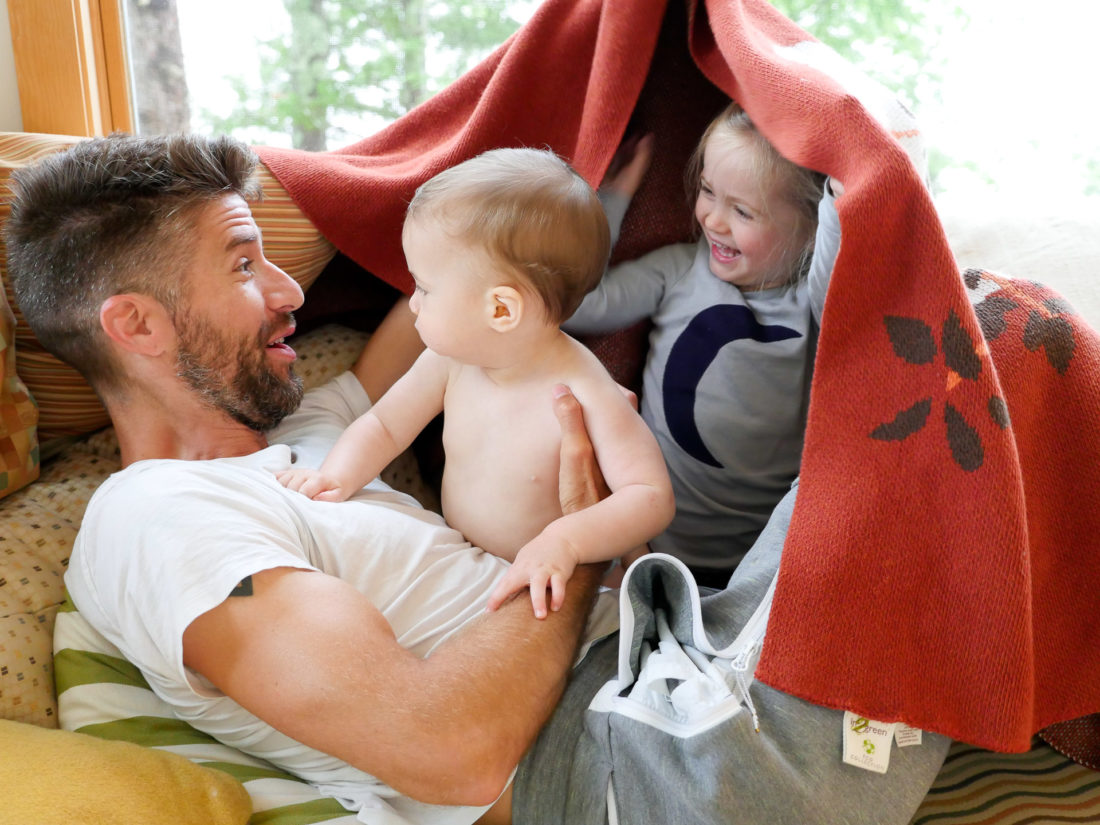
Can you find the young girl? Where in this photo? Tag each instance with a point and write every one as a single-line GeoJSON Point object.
{"type": "Point", "coordinates": [502, 247]}
{"type": "Point", "coordinates": [727, 378]}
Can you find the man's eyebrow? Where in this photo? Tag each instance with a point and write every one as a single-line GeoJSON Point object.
{"type": "Point", "coordinates": [243, 239]}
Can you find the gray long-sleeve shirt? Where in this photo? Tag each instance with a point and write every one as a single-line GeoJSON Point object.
{"type": "Point", "coordinates": [726, 383]}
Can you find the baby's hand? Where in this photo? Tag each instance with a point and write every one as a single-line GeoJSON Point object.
{"type": "Point", "coordinates": [629, 166]}
{"type": "Point", "coordinates": [313, 484]}
{"type": "Point", "coordinates": [541, 563]}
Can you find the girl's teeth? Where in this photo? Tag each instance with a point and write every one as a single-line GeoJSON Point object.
{"type": "Point", "coordinates": [722, 252]}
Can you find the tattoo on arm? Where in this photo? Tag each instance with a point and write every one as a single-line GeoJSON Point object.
{"type": "Point", "coordinates": [243, 588]}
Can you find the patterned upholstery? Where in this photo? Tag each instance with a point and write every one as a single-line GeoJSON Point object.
{"type": "Point", "coordinates": [18, 414]}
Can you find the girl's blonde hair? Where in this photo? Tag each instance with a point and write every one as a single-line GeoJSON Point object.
{"type": "Point", "coordinates": [534, 216]}
{"type": "Point", "coordinates": [800, 187]}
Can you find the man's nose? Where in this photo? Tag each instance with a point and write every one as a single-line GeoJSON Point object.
{"type": "Point", "coordinates": [283, 293]}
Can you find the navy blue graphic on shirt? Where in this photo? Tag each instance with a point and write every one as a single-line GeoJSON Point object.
{"type": "Point", "coordinates": [691, 356]}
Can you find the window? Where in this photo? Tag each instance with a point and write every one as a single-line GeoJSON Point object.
{"type": "Point", "coordinates": [993, 83]}
{"type": "Point", "coordinates": [70, 65]}
{"type": "Point", "coordinates": [313, 74]}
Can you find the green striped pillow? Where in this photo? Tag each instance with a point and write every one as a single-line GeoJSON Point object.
{"type": "Point", "coordinates": [101, 694]}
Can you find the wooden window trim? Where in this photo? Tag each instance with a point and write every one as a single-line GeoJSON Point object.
{"type": "Point", "coordinates": [70, 65]}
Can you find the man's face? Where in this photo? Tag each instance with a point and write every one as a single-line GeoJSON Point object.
{"type": "Point", "coordinates": [236, 311]}
{"type": "Point", "coordinates": [232, 373]}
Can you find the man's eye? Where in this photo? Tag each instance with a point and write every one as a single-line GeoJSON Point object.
{"type": "Point", "coordinates": [245, 266]}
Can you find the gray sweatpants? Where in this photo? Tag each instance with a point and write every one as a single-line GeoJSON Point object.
{"type": "Point", "coordinates": [790, 771]}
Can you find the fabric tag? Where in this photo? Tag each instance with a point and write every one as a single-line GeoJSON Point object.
{"type": "Point", "coordinates": [905, 735]}
{"type": "Point", "coordinates": [867, 743]}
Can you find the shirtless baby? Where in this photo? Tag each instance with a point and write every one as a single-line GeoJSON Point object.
{"type": "Point", "coordinates": [502, 249]}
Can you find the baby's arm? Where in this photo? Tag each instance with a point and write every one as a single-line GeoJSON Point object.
{"type": "Point", "coordinates": [378, 436]}
{"type": "Point", "coordinates": [640, 506]}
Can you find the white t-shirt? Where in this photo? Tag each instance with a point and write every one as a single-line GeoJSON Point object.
{"type": "Point", "coordinates": [164, 541]}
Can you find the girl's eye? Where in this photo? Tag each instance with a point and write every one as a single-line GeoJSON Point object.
{"type": "Point", "coordinates": [420, 289]}
{"type": "Point", "coordinates": [742, 213]}
{"type": "Point", "coordinates": [704, 189]}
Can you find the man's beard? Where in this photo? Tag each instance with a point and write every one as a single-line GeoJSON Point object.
{"type": "Point", "coordinates": [253, 394]}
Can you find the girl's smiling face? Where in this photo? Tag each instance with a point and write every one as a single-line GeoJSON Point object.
{"type": "Point", "coordinates": [752, 229]}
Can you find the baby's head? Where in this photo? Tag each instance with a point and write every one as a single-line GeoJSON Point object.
{"type": "Point", "coordinates": [757, 209]}
{"type": "Point", "coordinates": [537, 220]}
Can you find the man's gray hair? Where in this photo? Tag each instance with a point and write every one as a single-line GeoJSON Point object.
{"type": "Point", "coordinates": [108, 216]}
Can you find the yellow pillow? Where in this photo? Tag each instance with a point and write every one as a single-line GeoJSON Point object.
{"type": "Point", "coordinates": [60, 776]}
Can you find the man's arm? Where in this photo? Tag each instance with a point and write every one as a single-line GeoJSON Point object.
{"type": "Point", "coordinates": [310, 655]}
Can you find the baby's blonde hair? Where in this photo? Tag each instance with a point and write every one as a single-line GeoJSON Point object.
{"type": "Point", "coordinates": [534, 216]}
{"type": "Point", "coordinates": [801, 187]}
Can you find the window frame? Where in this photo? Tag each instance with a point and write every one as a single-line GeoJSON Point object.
{"type": "Point", "coordinates": [70, 66]}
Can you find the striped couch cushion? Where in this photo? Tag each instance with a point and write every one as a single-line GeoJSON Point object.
{"type": "Point", "coordinates": [101, 694]}
{"type": "Point", "coordinates": [979, 787]}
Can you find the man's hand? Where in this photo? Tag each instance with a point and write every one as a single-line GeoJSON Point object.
{"type": "Point", "coordinates": [580, 482]}
{"type": "Point", "coordinates": [544, 562]}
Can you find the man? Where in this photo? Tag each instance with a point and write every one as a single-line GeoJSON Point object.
{"type": "Point", "coordinates": [301, 630]}
{"type": "Point", "coordinates": [138, 261]}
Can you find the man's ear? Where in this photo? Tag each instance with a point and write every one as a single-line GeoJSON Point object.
{"type": "Point", "coordinates": [506, 307]}
{"type": "Point", "coordinates": [136, 323]}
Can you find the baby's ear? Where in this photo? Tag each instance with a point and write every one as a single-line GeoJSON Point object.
{"type": "Point", "coordinates": [505, 308]}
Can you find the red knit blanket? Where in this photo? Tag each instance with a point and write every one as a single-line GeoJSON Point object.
{"type": "Point", "coordinates": [942, 566]}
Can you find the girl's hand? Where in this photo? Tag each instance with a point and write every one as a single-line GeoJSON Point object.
{"type": "Point", "coordinates": [629, 166]}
